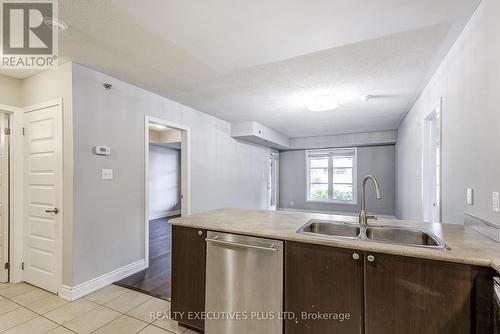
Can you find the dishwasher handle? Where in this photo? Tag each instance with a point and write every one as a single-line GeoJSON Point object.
{"type": "Point", "coordinates": [242, 245]}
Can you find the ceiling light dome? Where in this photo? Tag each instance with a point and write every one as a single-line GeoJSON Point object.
{"type": "Point", "coordinates": [322, 103]}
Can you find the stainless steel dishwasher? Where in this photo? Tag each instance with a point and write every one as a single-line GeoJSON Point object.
{"type": "Point", "coordinates": [244, 285]}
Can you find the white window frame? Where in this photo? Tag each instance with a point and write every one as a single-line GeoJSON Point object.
{"type": "Point", "coordinates": [330, 175]}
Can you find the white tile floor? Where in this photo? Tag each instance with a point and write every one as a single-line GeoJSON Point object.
{"type": "Point", "coordinates": [25, 309]}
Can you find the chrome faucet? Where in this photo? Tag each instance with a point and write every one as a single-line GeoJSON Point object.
{"type": "Point", "coordinates": [363, 216]}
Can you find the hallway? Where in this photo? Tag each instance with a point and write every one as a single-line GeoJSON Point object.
{"type": "Point", "coordinates": [155, 280]}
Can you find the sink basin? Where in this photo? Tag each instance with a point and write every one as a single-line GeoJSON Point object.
{"type": "Point", "coordinates": [333, 229]}
{"type": "Point", "coordinates": [398, 235]}
{"type": "Point", "coordinates": [404, 236]}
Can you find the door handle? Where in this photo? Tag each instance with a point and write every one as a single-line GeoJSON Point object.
{"type": "Point", "coordinates": [238, 244]}
{"type": "Point", "coordinates": [54, 211]}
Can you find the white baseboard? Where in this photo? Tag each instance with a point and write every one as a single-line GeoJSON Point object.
{"type": "Point", "coordinates": [83, 289]}
{"type": "Point", "coordinates": [165, 214]}
{"type": "Point", "coordinates": [339, 213]}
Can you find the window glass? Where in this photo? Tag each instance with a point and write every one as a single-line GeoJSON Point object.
{"type": "Point", "coordinates": [342, 161]}
{"type": "Point", "coordinates": [342, 192]}
{"type": "Point", "coordinates": [319, 162]}
{"type": "Point", "coordinates": [319, 175]}
{"type": "Point", "coordinates": [319, 191]}
{"type": "Point", "coordinates": [342, 175]}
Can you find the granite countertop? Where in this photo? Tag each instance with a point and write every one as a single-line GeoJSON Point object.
{"type": "Point", "coordinates": [466, 245]}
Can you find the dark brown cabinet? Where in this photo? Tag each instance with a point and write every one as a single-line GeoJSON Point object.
{"type": "Point", "coordinates": [326, 281]}
{"type": "Point", "coordinates": [408, 295]}
{"type": "Point", "coordinates": [188, 276]}
{"type": "Point", "coordinates": [384, 293]}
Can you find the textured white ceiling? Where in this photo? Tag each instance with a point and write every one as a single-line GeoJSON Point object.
{"type": "Point", "coordinates": [259, 60]}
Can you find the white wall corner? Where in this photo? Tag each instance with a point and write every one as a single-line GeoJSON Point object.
{"type": "Point", "coordinates": [83, 289]}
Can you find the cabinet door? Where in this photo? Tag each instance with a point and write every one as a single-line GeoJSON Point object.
{"type": "Point", "coordinates": [408, 295]}
{"type": "Point", "coordinates": [326, 280]}
{"type": "Point", "coordinates": [188, 275]}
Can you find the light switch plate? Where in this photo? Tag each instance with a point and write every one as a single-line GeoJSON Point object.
{"type": "Point", "coordinates": [470, 196]}
{"type": "Point", "coordinates": [496, 202]}
{"type": "Point", "coordinates": [107, 174]}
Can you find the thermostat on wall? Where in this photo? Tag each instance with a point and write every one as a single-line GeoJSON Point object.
{"type": "Point", "coordinates": [102, 150]}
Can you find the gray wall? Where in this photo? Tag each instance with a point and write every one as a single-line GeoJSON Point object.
{"type": "Point", "coordinates": [376, 160]}
{"type": "Point", "coordinates": [109, 215]}
{"type": "Point", "coordinates": [164, 180]}
{"type": "Point", "coordinates": [468, 81]}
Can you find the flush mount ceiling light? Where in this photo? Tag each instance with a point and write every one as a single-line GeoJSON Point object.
{"type": "Point", "coordinates": [157, 126]}
{"type": "Point", "coordinates": [322, 103]}
{"type": "Point", "coordinates": [56, 24]}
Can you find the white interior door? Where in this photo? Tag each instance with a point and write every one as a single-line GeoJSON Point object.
{"type": "Point", "coordinates": [43, 197]}
{"type": "Point", "coordinates": [4, 198]}
{"type": "Point", "coordinates": [272, 183]}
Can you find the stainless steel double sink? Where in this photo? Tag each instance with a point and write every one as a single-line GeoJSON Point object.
{"type": "Point", "coordinates": [399, 235]}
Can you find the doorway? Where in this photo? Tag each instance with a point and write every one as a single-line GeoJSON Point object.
{"type": "Point", "coordinates": [31, 194]}
{"type": "Point", "coordinates": [273, 181]}
{"type": "Point", "coordinates": [432, 167]}
{"type": "Point", "coordinates": [166, 197]}
{"type": "Point", "coordinates": [4, 197]}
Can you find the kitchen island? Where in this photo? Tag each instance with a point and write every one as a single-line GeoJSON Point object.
{"type": "Point", "coordinates": [409, 289]}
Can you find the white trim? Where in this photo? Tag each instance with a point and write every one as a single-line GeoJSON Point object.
{"type": "Point", "coordinates": [83, 289]}
{"type": "Point", "coordinates": [43, 105]}
{"type": "Point", "coordinates": [165, 214]}
{"type": "Point", "coordinates": [185, 173]}
{"type": "Point", "coordinates": [354, 177]}
{"type": "Point", "coordinates": [426, 215]}
{"type": "Point", "coordinates": [338, 213]}
{"type": "Point", "coordinates": [274, 155]}
{"type": "Point", "coordinates": [15, 192]}
{"type": "Point", "coordinates": [9, 109]}
{"type": "Point", "coordinates": [4, 224]}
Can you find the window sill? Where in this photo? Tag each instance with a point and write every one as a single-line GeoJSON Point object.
{"type": "Point", "coordinates": [330, 202]}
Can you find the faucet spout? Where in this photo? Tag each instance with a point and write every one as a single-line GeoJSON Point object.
{"type": "Point", "coordinates": [363, 217]}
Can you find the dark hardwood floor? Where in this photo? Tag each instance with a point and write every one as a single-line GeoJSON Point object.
{"type": "Point", "coordinates": [155, 280]}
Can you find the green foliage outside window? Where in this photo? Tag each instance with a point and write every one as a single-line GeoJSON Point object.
{"type": "Point", "coordinates": [337, 195]}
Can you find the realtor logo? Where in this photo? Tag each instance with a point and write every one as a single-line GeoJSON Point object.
{"type": "Point", "coordinates": [29, 39]}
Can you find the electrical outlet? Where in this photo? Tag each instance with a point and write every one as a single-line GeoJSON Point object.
{"type": "Point", "coordinates": [496, 202]}
{"type": "Point", "coordinates": [107, 174]}
{"type": "Point", "coordinates": [470, 196]}
{"type": "Point", "coordinates": [292, 203]}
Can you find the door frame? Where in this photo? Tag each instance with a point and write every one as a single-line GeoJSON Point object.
{"type": "Point", "coordinates": [274, 155]}
{"type": "Point", "coordinates": [6, 194]}
{"type": "Point", "coordinates": [18, 230]}
{"type": "Point", "coordinates": [426, 157]}
{"type": "Point", "coordinates": [185, 173]}
{"type": "Point", "coordinates": [15, 190]}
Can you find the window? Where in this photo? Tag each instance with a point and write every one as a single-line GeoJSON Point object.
{"type": "Point", "coordinates": [331, 176]}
